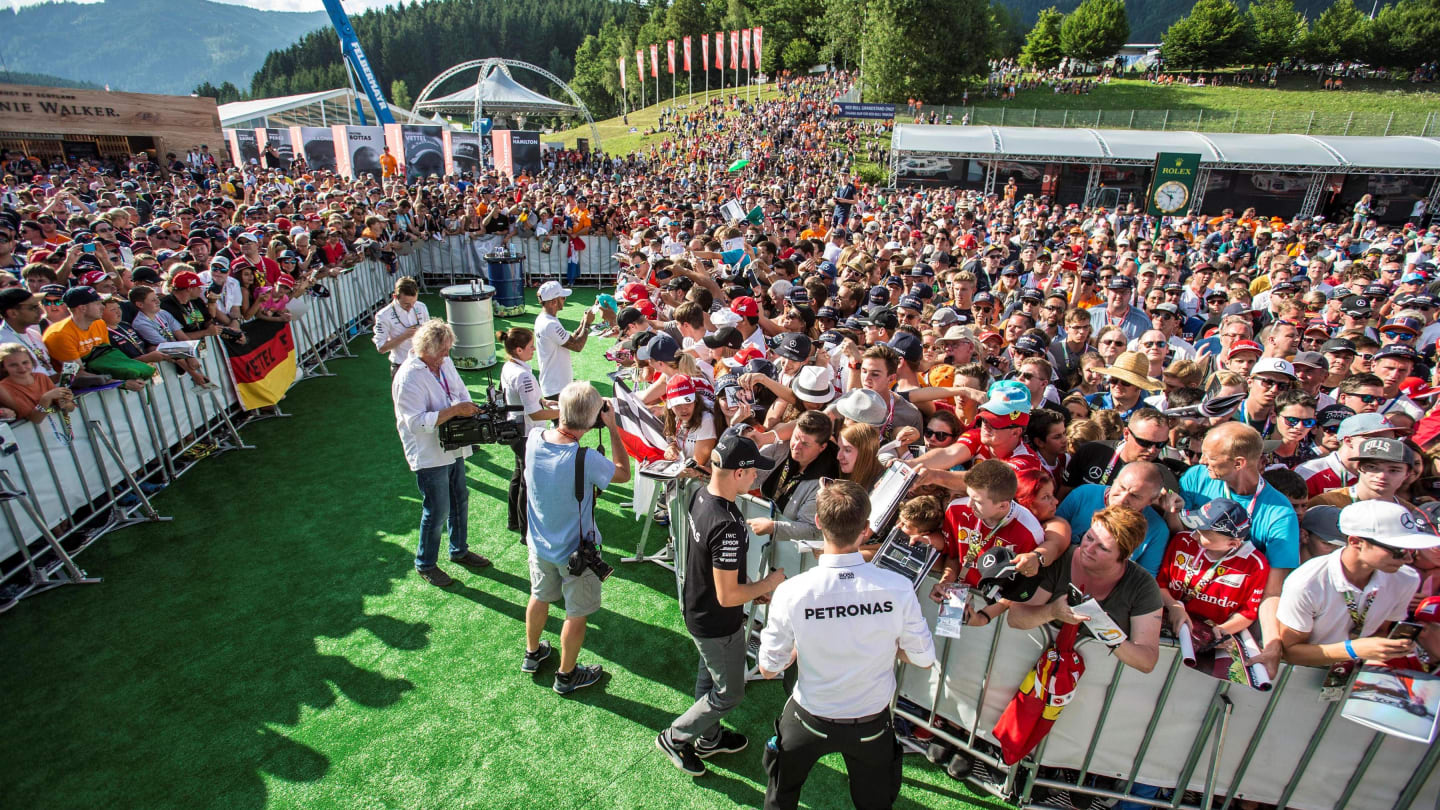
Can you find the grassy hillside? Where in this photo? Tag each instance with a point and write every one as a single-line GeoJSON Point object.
{"type": "Point", "coordinates": [619, 137]}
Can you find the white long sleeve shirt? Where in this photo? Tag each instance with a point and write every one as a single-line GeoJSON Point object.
{"type": "Point", "coordinates": [419, 397]}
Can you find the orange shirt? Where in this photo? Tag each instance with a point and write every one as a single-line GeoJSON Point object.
{"type": "Point", "coordinates": [388, 165]}
{"type": "Point", "coordinates": [66, 342]}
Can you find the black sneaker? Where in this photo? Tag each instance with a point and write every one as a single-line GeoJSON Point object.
{"type": "Point", "coordinates": [682, 756]}
{"type": "Point", "coordinates": [577, 678]}
{"type": "Point", "coordinates": [729, 742]}
{"type": "Point", "coordinates": [531, 664]}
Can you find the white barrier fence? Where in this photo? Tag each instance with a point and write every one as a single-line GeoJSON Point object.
{"type": "Point", "coordinates": [89, 473]}
{"type": "Point", "coordinates": [1123, 727]}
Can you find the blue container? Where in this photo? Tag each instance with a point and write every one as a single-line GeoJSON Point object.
{"type": "Point", "coordinates": [507, 276]}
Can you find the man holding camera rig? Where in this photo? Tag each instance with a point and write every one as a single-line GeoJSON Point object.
{"type": "Point", "coordinates": [428, 392]}
{"type": "Point", "coordinates": [562, 480]}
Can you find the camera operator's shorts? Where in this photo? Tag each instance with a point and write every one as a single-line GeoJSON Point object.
{"type": "Point", "coordinates": [550, 582]}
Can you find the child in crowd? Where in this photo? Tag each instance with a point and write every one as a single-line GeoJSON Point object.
{"type": "Point", "coordinates": [1212, 579]}
{"type": "Point", "coordinates": [275, 301]}
{"type": "Point", "coordinates": [988, 516]}
{"type": "Point", "coordinates": [921, 519]}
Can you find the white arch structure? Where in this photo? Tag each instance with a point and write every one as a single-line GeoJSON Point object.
{"type": "Point", "coordinates": [485, 67]}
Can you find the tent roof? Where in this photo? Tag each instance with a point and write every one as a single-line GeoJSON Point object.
{"type": "Point", "coordinates": [239, 111]}
{"type": "Point", "coordinates": [498, 91]}
{"type": "Point", "coordinates": [1346, 153]}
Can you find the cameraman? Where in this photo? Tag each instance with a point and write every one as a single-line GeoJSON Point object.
{"type": "Point", "coordinates": [556, 525]}
{"type": "Point", "coordinates": [428, 392]}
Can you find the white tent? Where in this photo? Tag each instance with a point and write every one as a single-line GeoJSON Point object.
{"type": "Point", "coordinates": [499, 92]}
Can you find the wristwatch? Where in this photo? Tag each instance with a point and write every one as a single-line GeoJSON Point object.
{"type": "Point", "coordinates": [1041, 555]}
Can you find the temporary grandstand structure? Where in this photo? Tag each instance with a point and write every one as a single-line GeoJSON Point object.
{"type": "Point", "coordinates": [496, 91]}
{"type": "Point", "coordinates": [1281, 174]}
{"type": "Point", "coordinates": [319, 109]}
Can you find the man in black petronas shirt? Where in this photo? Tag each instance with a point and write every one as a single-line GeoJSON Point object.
{"type": "Point", "coordinates": [715, 593]}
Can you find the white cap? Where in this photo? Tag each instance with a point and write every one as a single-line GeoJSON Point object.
{"type": "Point", "coordinates": [1273, 365]}
{"type": "Point", "coordinates": [1387, 523]}
{"type": "Point", "coordinates": [551, 290]}
{"type": "Point", "coordinates": [724, 318]}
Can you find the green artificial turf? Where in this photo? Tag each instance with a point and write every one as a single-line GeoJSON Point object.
{"type": "Point", "coordinates": [273, 647]}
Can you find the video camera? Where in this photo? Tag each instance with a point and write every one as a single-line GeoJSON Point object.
{"type": "Point", "coordinates": [490, 425]}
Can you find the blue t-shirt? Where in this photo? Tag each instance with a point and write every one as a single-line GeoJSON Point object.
{"type": "Point", "coordinates": [554, 529]}
{"type": "Point", "coordinates": [1080, 506]}
{"type": "Point", "coordinates": [1274, 529]}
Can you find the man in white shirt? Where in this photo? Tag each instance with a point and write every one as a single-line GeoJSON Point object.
{"type": "Point", "coordinates": [1340, 607]}
{"type": "Point", "coordinates": [555, 343]}
{"type": "Point", "coordinates": [843, 623]}
{"type": "Point", "coordinates": [230, 297]}
{"type": "Point", "coordinates": [428, 392]}
{"type": "Point", "coordinates": [397, 322]}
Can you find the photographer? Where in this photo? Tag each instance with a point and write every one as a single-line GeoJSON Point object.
{"type": "Point", "coordinates": [428, 392]}
{"type": "Point", "coordinates": [560, 530]}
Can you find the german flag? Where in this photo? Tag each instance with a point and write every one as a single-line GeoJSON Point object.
{"type": "Point", "coordinates": [264, 367]}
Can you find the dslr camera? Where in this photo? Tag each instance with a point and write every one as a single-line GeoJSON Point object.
{"type": "Point", "coordinates": [588, 556]}
{"type": "Point", "coordinates": [490, 425]}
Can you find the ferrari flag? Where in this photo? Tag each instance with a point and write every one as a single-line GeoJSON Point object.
{"type": "Point", "coordinates": [264, 367]}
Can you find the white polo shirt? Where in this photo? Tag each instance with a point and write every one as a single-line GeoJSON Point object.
{"type": "Point", "coordinates": [391, 320]}
{"type": "Point", "coordinates": [419, 397]}
{"type": "Point", "coordinates": [1312, 599]}
{"type": "Point", "coordinates": [845, 618]}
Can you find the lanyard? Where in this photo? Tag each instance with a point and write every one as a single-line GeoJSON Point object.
{"type": "Point", "coordinates": [1357, 614]}
{"type": "Point", "coordinates": [973, 549]}
{"type": "Point", "coordinates": [1192, 586]}
{"type": "Point", "coordinates": [1245, 419]}
{"type": "Point", "coordinates": [1109, 468]}
{"type": "Point", "coordinates": [1254, 499]}
{"type": "Point", "coordinates": [445, 384]}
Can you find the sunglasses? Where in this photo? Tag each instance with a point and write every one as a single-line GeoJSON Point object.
{"type": "Point", "coordinates": [1153, 344]}
{"type": "Point", "coordinates": [1149, 444]}
{"type": "Point", "coordinates": [1121, 384]}
{"type": "Point", "coordinates": [1296, 421]}
{"type": "Point", "coordinates": [1398, 335]}
{"type": "Point", "coordinates": [938, 435]}
{"type": "Point", "coordinates": [1112, 343]}
{"type": "Point", "coordinates": [1368, 399]}
{"type": "Point", "coordinates": [1395, 553]}
{"type": "Point", "coordinates": [1266, 382]}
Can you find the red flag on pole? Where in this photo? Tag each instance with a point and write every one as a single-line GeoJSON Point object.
{"type": "Point", "coordinates": [704, 51]}
{"type": "Point", "coordinates": [640, 431]}
{"type": "Point", "coordinates": [655, 61]}
{"type": "Point", "coordinates": [1042, 696]}
{"type": "Point", "coordinates": [720, 50]}
{"type": "Point", "coordinates": [670, 55]}
{"type": "Point", "coordinates": [734, 50]}
{"type": "Point", "coordinates": [757, 47]}
{"type": "Point", "coordinates": [687, 55]}
{"type": "Point", "coordinates": [745, 49]}
{"type": "Point", "coordinates": [640, 66]}
{"type": "Point", "coordinates": [622, 73]}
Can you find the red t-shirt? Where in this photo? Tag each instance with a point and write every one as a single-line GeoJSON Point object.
{"type": "Point", "coordinates": [1210, 590]}
{"type": "Point", "coordinates": [967, 537]}
{"type": "Point", "coordinates": [1325, 473]}
{"type": "Point", "coordinates": [269, 268]}
{"type": "Point", "coordinates": [1022, 458]}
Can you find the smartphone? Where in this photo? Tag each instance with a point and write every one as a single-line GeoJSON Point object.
{"type": "Point", "coordinates": [1408, 631]}
{"type": "Point", "coordinates": [88, 247]}
{"type": "Point", "coordinates": [732, 397]}
{"type": "Point", "coordinates": [916, 450]}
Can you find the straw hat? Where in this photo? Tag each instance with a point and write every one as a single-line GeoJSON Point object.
{"type": "Point", "coordinates": [1133, 368]}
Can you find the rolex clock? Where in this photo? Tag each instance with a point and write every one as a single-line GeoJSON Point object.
{"type": "Point", "coordinates": [1171, 196]}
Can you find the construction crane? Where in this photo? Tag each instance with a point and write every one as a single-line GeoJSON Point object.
{"type": "Point", "coordinates": [358, 67]}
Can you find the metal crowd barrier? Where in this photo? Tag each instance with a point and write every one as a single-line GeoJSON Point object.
{"type": "Point", "coordinates": [460, 257]}
{"type": "Point", "coordinates": [1201, 742]}
{"type": "Point", "coordinates": [70, 480]}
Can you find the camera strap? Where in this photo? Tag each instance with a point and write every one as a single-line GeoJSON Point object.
{"type": "Point", "coordinates": [580, 490]}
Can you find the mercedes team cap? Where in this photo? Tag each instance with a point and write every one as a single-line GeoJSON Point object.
{"type": "Point", "coordinates": [1309, 360]}
{"type": "Point", "coordinates": [627, 316]}
{"type": "Point", "coordinates": [1338, 346]}
{"type": "Point", "coordinates": [551, 290]}
{"type": "Point", "coordinates": [1219, 515]}
{"type": "Point", "coordinates": [1273, 365]}
{"type": "Point", "coordinates": [1387, 523]}
{"type": "Point", "coordinates": [735, 451]}
{"type": "Point", "coordinates": [909, 347]}
{"type": "Point", "coordinates": [792, 346]}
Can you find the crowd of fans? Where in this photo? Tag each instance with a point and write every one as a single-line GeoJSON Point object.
{"type": "Point", "coordinates": [1132, 406]}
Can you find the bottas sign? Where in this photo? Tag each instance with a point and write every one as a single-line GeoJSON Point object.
{"type": "Point", "coordinates": [1173, 184]}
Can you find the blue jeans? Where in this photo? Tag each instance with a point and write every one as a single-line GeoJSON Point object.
{"type": "Point", "coordinates": [444, 498]}
{"type": "Point", "coordinates": [572, 272]}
